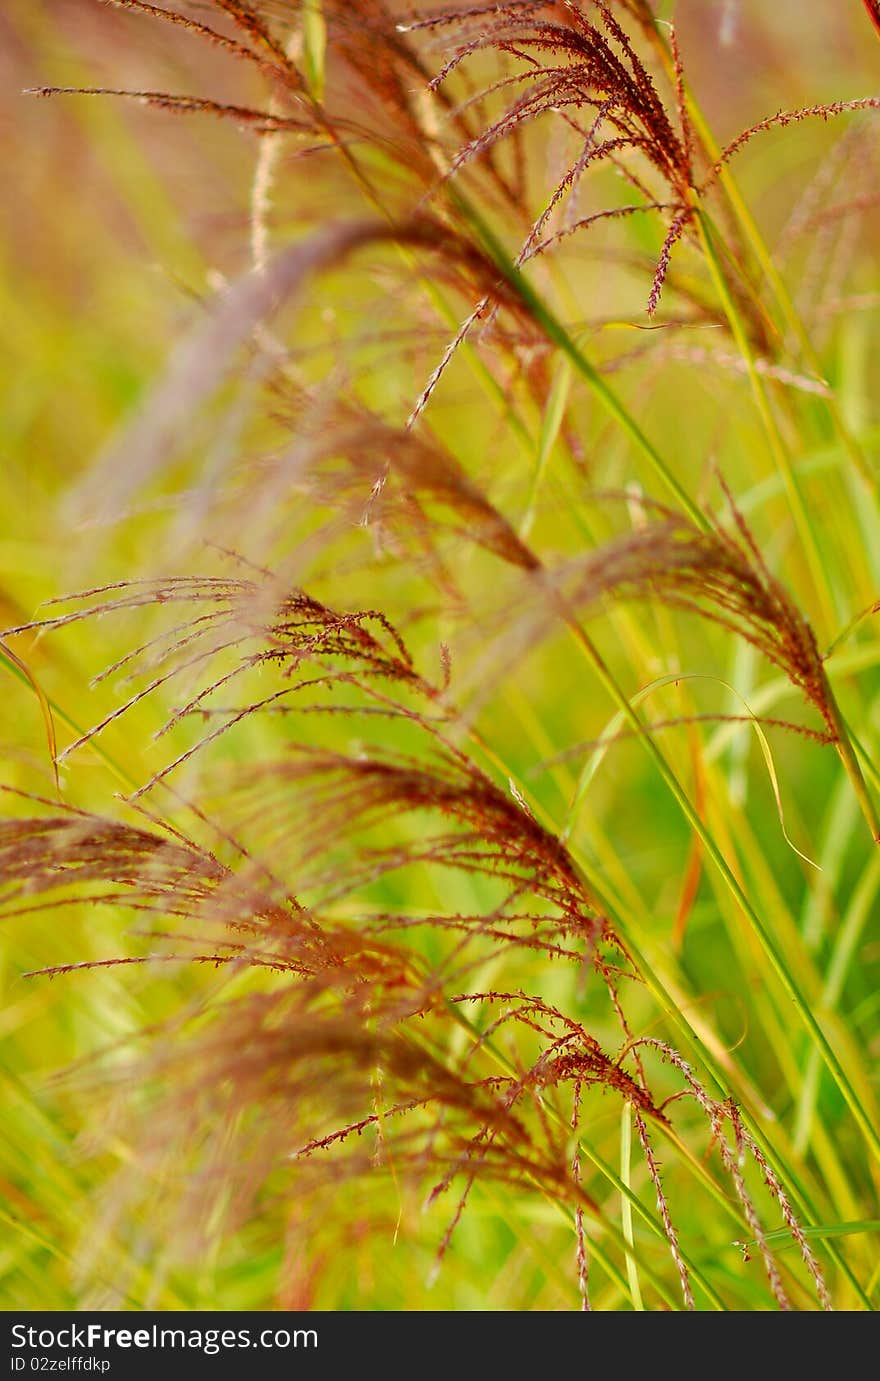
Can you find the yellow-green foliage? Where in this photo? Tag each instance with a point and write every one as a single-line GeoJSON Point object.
{"type": "Point", "coordinates": [441, 547]}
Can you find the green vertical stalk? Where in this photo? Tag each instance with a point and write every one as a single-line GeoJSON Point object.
{"type": "Point", "coordinates": [792, 318]}
{"type": "Point", "coordinates": [802, 522]}
{"type": "Point", "coordinates": [777, 447]}
{"type": "Point", "coordinates": [632, 1270]}
{"type": "Point", "coordinates": [559, 336]}
{"type": "Point", "coordinates": [843, 955]}
{"type": "Point", "coordinates": [557, 333]}
{"type": "Point", "coordinates": [617, 1182]}
{"type": "Point", "coordinates": [673, 1005]}
{"type": "Point", "coordinates": [760, 928]}
{"type": "Point", "coordinates": [764, 259]}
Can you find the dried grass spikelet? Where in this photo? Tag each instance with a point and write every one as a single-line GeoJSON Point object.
{"type": "Point", "coordinates": [374, 99]}
{"type": "Point", "coordinates": [331, 1050]}
{"type": "Point", "coordinates": [783, 119]}
{"type": "Point", "coordinates": [483, 830]}
{"type": "Point", "coordinates": [392, 80]}
{"type": "Point", "coordinates": [313, 649]}
{"type": "Point", "coordinates": [413, 118]}
{"type": "Point", "coordinates": [204, 358]}
{"type": "Point", "coordinates": [721, 578]}
{"type": "Point", "coordinates": [249, 624]}
{"type": "Point", "coordinates": [573, 62]}
{"type": "Point", "coordinates": [73, 858]}
{"type": "Point", "coordinates": [341, 1064]}
{"type": "Point", "coordinates": [296, 1066]}
{"type": "Point", "coordinates": [718, 575]}
{"type": "Point", "coordinates": [394, 479]}
{"type": "Point", "coordinates": [278, 1099]}
{"type": "Point", "coordinates": [576, 64]}
{"type": "Point", "coordinates": [725, 1119]}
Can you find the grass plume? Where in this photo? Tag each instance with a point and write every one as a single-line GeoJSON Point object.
{"type": "Point", "coordinates": [376, 602]}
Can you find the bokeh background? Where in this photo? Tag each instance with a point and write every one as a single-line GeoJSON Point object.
{"type": "Point", "coordinates": [117, 224]}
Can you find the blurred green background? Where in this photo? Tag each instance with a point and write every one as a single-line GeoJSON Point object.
{"type": "Point", "coordinates": [117, 223]}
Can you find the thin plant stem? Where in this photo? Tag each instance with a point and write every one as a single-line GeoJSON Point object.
{"type": "Point", "coordinates": [761, 929]}
{"type": "Point", "coordinates": [632, 1270]}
